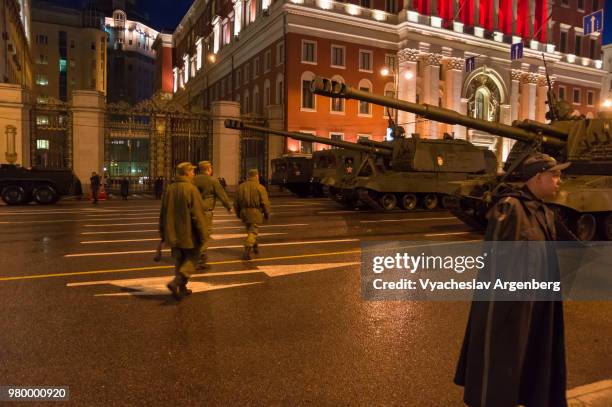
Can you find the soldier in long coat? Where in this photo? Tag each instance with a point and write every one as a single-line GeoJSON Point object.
{"type": "Point", "coordinates": [210, 190]}
{"type": "Point", "coordinates": [182, 227]}
{"type": "Point", "coordinates": [252, 206]}
{"type": "Point", "coordinates": [513, 351]}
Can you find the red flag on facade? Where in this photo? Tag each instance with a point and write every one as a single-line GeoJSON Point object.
{"type": "Point", "coordinates": [541, 20]}
{"type": "Point", "coordinates": [523, 19]}
{"type": "Point", "coordinates": [466, 12]}
{"type": "Point", "coordinates": [422, 6]}
{"type": "Point", "coordinates": [486, 14]}
{"type": "Point", "coordinates": [445, 9]}
{"type": "Point", "coordinates": [504, 16]}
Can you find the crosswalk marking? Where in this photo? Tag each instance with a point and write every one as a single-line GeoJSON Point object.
{"type": "Point", "coordinates": [408, 220]}
{"type": "Point", "coordinates": [225, 236]}
{"type": "Point", "coordinates": [112, 232]}
{"type": "Point", "coordinates": [214, 248]}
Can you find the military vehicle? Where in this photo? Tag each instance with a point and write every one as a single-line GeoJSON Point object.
{"type": "Point", "coordinates": [333, 169]}
{"type": "Point", "coordinates": [294, 173]}
{"type": "Point", "coordinates": [408, 171]}
{"type": "Point", "coordinates": [584, 203]}
{"type": "Point", "coordinates": [20, 185]}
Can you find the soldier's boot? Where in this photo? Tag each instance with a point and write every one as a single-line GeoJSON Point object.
{"type": "Point", "coordinates": [173, 286]}
{"type": "Point", "coordinates": [255, 249]}
{"type": "Point", "coordinates": [203, 263]}
{"type": "Point", "coordinates": [247, 253]}
{"type": "Point", "coordinates": [184, 290]}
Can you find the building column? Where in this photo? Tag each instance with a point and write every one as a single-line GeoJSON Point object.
{"type": "Point", "coordinates": [504, 144]}
{"type": "Point", "coordinates": [431, 90]}
{"type": "Point", "coordinates": [528, 96]}
{"type": "Point", "coordinates": [541, 98]}
{"type": "Point", "coordinates": [454, 82]}
{"type": "Point", "coordinates": [515, 76]}
{"type": "Point", "coordinates": [88, 130]}
{"type": "Point", "coordinates": [226, 142]}
{"type": "Point", "coordinates": [407, 87]}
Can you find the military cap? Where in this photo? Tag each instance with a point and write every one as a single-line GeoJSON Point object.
{"type": "Point", "coordinates": [253, 173]}
{"type": "Point", "coordinates": [538, 163]}
{"type": "Point", "coordinates": [184, 167]}
{"type": "Point", "coordinates": [204, 165]}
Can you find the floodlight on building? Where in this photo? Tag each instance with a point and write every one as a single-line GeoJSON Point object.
{"type": "Point", "coordinates": [408, 75]}
{"type": "Point", "coordinates": [571, 58]}
{"type": "Point", "coordinates": [212, 58]}
{"type": "Point", "coordinates": [353, 9]}
{"type": "Point", "coordinates": [384, 71]}
{"type": "Point", "coordinates": [607, 104]}
{"type": "Point", "coordinates": [325, 4]}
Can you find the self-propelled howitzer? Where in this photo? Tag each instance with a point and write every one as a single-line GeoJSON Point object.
{"type": "Point", "coordinates": [406, 171]}
{"type": "Point", "coordinates": [584, 202]}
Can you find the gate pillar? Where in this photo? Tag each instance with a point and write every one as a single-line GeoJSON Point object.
{"type": "Point", "coordinates": [88, 133]}
{"type": "Point", "coordinates": [14, 124]}
{"type": "Point", "coordinates": [226, 142]}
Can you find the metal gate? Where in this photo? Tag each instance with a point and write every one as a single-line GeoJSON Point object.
{"type": "Point", "coordinates": [253, 149]}
{"type": "Point", "coordinates": [51, 135]}
{"type": "Point", "coordinates": [148, 140]}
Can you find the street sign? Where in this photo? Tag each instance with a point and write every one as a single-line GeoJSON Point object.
{"type": "Point", "coordinates": [593, 22]}
{"type": "Point", "coordinates": [470, 64]}
{"type": "Point", "coordinates": [516, 51]}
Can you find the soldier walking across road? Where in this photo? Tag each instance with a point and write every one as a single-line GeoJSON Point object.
{"type": "Point", "coordinates": [513, 352]}
{"type": "Point", "coordinates": [210, 190]}
{"type": "Point", "coordinates": [252, 206]}
{"type": "Point", "coordinates": [95, 186]}
{"type": "Point", "coordinates": [182, 226]}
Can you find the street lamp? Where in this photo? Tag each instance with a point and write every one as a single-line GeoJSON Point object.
{"type": "Point", "coordinates": [386, 71]}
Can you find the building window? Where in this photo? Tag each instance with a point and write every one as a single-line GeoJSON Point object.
{"type": "Point", "coordinates": [336, 137]}
{"type": "Point", "coordinates": [42, 39]}
{"type": "Point", "coordinates": [577, 96]}
{"type": "Point", "coordinates": [581, 5]}
{"type": "Point", "coordinates": [364, 107]}
{"type": "Point", "coordinates": [279, 90]}
{"type": "Point", "coordinates": [43, 144]}
{"type": "Point", "coordinates": [280, 53]}
{"type": "Point", "coordinates": [337, 56]}
{"type": "Point", "coordinates": [93, 45]}
{"type": "Point", "coordinates": [563, 42]}
{"type": "Point", "coordinates": [578, 45]}
{"type": "Point", "coordinates": [363, 137]}
{"type": "Point", "coordinates": [308, 98]}
{"type": "Point", "coordinates": [256, 67]}
{"type": "Point", "coordinates": [365, 61]}
{"type": "Point", "coordinates": [390, 62]}
{"type": "Point", "coordinates": [42, 60]}
{"type": "Point", "coordinates": [238, 75]}
{"type": "Point", "coordinates": [309, 52]}
{"type": "Point", "coordinates": [565, 3]}
{"type": "Point", "coordinates": [365, 3]}
{"type": "Point", "coordinates": [247, 73]}
{"type": "Point", "coordinates": [590, 98]}
{"type": "Point", "coordinates": [595, 5]}
{"type": "Point", "coordinates": [267, 61]}
{"type": "Point", "coordinates": [337, 104]}
{"type": "Point", "coordinates": [561, 92]}
{"type": "Point", "coordinates": [266, 101]}
{"type": "Point", "coordinates": [256, 104]}
{"type": "Point", "coordinates": [391, 6]}
{"type": "Point", "coordinates": [42, 120]}
{"type": "Point", "coordinates": [593, 49]}
{"type": "Point", "coordinates": [41, 79]}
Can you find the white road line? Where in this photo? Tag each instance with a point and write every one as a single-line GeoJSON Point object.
{"type": "Point", "coordinates": [216, 228]}
{"type": "Point", "coordinates": [341, 212]}
{"type": "Point", "coordinates": [214, 248]}
{"type": "Point", "coordinates": [76, 211]}
{"type": "Point", "coordinates": [407, 220]}
{"type": "Point", "coordinates": [214, 236]}
{"type": "Point", "coordinates": [101, 225]}
{"type": "Point", "coordinates": [447, 234]}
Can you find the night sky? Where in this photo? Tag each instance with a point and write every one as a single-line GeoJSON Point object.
{"type": "Point", "coordinates": [163, 14]}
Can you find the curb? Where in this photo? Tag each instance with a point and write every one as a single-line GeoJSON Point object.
{"type": "Point", "coordinates": [598, 394]}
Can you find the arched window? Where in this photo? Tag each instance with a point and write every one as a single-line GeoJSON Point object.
{"type": "Point", "coordinates": [280, 90]}
{"type": "Point", "coordinates": [245, 105]}
{"type": "Point", "coordinates": [365, 108]}
{"type": "Point", "coordinates": [337, 104]}
{"type": "Point", "coordinates": [390, 92]}
{"type": "Point", "coordinates": [266, 94]}
{"type": "Point", "coordinates": [308, 98]}
{"type": "Point", "coordinates": [256, 104]}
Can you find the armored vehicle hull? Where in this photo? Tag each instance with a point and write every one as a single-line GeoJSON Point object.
{"type": "Point", "coordinates": [295, 173]}
{"type": "Point", "coordinates": [20, 185]}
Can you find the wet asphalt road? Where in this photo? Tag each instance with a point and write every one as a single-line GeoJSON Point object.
{"type": "Point", "coordinates": [84, 306]}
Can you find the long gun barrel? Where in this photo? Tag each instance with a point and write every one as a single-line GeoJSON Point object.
{"type": "Point", "coordinates": [377, 144]}
{"type": "Point", "coordinates": [239, 125]}
{"type": "Point", "coordinates": [333, 89]}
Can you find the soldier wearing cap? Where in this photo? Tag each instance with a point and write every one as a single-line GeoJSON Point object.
{"type": "Point", "coordinates": [210, 190]}
{"type": "Point", "coordinates": [513, 351]}
{"type": "Point", "coordinates": [252, 206]}
{"type": "Point", "coordinates": [182, 226]}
